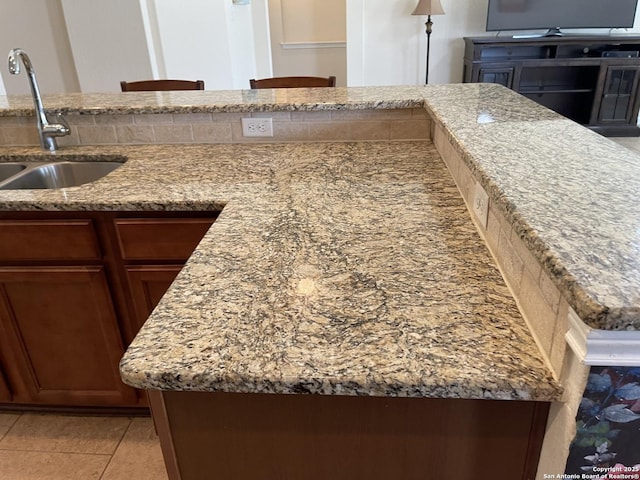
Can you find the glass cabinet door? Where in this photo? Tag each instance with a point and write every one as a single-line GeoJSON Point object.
{"type": "Point", "coordinates": [502, 76]}
{"type": "Point", "coordinates": [619, 94]}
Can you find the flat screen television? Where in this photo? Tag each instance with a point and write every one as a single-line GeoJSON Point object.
{"type": "Point", "coordinates": [556, 14]}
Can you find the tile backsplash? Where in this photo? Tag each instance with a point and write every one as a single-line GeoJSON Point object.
{"type": "Point", "coordinates": [338, 125]}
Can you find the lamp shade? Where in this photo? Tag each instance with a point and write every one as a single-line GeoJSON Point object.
{"type": "Point", "coordinates": [428, 7]}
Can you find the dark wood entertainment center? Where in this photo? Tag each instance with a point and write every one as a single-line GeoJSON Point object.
{"type": "Point", "coordinates": [592, 80]}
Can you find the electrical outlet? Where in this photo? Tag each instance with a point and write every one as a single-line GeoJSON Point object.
{"type": "Point", "coordinates": [481, 205]}
{"type": "Point", "coordinates": [257, 127]}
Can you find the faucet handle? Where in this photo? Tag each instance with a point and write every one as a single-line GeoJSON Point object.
{"type": "Point", "coordinates": [58, 129]}
{"type": "Point", "coordinates": [66, 130]}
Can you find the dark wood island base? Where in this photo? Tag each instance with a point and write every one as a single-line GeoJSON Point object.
{"type": "Point", "coordinates": [319, 437]}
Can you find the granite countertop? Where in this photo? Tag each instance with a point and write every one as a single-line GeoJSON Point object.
{"type": "Point", "coordinates": [349, 249]}
{"type": "Point", "coordinates": [569, 193]}
{"type": "Point", "coordinates": [220, 101]}
{"type": "Point", "coordinates": [334, 268]}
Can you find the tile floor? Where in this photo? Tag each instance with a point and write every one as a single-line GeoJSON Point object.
{"type": "Point", "coordinates": [64, 447]}
{"type": "Point", "coordinates": [632, 143]}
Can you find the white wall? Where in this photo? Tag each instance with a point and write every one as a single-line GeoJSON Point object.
{"type": "Point", "coordinates": [108, 43]}
{"type": "Point", "coordinates": [386, 45]}
{"type": "Point", "coordinates": [382, 43]}
{"type": "Point", "coordinates": [38, 27]}
{"type": "Point", "coordinates": [261, 37]}
{"type": "Point", "coordinates": [241, 40]}
{"type": "Point", "coordinates": [308, 37]}
{"type": "Point", "coordinates": [91, 45]}
{"type": "Point", "coordinates": [185, 36]}
{"type": "Point", "coordinates": [214, 41]}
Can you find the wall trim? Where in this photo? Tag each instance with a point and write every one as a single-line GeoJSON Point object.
{"type": "Point", "coordinates": [605, 348]}
{"type": "Point", "coordinates": [301, 45]}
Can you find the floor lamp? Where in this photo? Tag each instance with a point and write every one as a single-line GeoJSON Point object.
{"type": "Point", "coordinates": [428, 7]}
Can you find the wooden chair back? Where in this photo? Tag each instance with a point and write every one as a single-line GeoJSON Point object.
{"type": "Point", "coordinates": [293, 82]}
{"type": "Point", "coordinates": [161, 85]}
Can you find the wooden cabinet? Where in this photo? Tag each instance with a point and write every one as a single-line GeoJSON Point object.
{"type": "Point", "coordinates": [60, 342]}
{"type": "Point", "coordinates": [152, 252]}
{"type": "Point", "coordinates": [147, 285]}
{"type": "Point", "coordinates": [500, 75]}
{"type": "Point", "coordinates": [74, 290]}
{"type": "Point", "coordinates": [5, 393]}
{"type": "Point", "coordinates": [243, 436]}
{"type": "Point", "coordinates": [592, 80]}
{"type": "Point", "coordinates": [61, 334]}
{"type": "Point", "coordinates": [618, 95]}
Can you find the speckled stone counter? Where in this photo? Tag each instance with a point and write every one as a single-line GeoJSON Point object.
{"type": "Point", "coordinates": [571, 194]}
{"type": "Point", "coordinates": [334, 268]}
{"type": "Point", "coordinates": [229, 101]}
{"type": "Point", "coordinates": [568, 192]}
{"type": "Point", "coordinates": [327, 248]}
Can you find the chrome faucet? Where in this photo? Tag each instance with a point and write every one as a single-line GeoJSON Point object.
{"type": "Point", "coordinates": [47, 131]}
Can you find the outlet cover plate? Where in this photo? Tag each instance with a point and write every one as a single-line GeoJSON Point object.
{"type": "Point", "coordinates": [257, 127]}
{"type": "Point", "coordinates": [481, 205]}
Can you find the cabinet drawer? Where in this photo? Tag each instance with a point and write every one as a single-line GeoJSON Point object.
{"type": "Point", "coordinates": [44, 240]}
{"type": "Point", "coordinates": [160, 239]}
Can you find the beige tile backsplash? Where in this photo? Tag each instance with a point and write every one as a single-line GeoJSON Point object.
{"type": "Point", "coordinates": [338, 125]}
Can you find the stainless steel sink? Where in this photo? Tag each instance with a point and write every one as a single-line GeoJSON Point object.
{"type": "Point", "coordinates": [59, 174]}
{"type": "Point", "coordinates": [9, 170]}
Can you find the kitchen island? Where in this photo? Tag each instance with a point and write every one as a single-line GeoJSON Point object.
{"type": "Point", "coordinates": [338, 269]}
{"type": "Point", "coordinates": [339, 277]}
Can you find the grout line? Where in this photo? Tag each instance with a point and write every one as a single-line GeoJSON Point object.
{"type": "Point", "coordinates": [124, 434]}
{"type": "Point", "coordinates": [106, 467]}
{"type": "Point", "coordinates": [54, 452]}
{"type": "Point", "coordinates": [19, 415]}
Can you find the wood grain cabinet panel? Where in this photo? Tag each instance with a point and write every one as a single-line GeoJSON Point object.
{"type": "Point", "coordinates": [75, 288]}
{"type": "Point", "coordinates": [318, 437]}
{"type": "Point", "coordinates": [147, 286]}
{"type": "Point", "coordinates": [160, 239]}
{"type": "Point", "coordinates": [61, 336]}
{"type": "Point", "coordinates": [5, 394]}
{"type": "Point", "coordinates": [47, 240]}
{"type": "Point", "coordinates": [152, 251]}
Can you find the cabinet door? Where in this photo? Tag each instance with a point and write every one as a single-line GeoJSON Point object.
{"type": "Point", "coordinates": [619, 95]}
{"type": "Point", "coordinates": [59, 337]}
{"type": "Point", "coordinates": [5, 394]}
{"type": "Point", "coordinates": [500, 75]}
{"type": "Point", "coordinates": [147, 285]}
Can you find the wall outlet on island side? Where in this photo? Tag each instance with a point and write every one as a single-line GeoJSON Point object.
{"type": "Point", "coordinates": [257, 127]}
{"type": "Point", "coordinates": [481, 205]}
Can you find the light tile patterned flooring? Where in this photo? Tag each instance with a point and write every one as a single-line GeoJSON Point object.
{"type": "Point", "coordinates": [632, 143]}
{"type": "Point", "coordinates": [65, 447]}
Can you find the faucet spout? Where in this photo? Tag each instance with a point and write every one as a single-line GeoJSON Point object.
{"type": "Point", "coordinates": [47, 131]}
